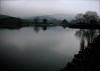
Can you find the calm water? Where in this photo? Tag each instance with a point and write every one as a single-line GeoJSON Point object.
{"type": "Point", "coordinates": [33, 49]}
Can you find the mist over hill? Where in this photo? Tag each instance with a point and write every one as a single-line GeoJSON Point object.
{"type": "Point", "coordinates": [4, 16]}
{"type": "Point", "coordinates": [68, 17]}
{"type": "Point", "coordinates": [7, 16]}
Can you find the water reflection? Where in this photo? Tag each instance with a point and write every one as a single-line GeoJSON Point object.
{"type": "Point", "coordinates": [36, 29]}
{"type": "Point", "coordinates": [44, 28]}
{"type": "Point", "coordinates": [87, 59]}
{"type": "Point", "coordinates": [86, 36]}
{"type": "Point", "coordinates": [26, 50]}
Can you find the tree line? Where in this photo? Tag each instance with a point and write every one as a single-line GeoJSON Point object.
{"type": "Point", "coordinates": [89, 18]}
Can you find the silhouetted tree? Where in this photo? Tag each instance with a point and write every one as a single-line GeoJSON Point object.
{"type": "Point", "coordinates": [45, 21]}
{"type": "Point", "coordinates": [36, 21]}
{"type": "Point", "coordinates": [79, 18]}
{"type": "Point", "coordinates": [88, 18]}
{"type": "Point", "coordinates": [91, 17]}
{"type": "Point", "coordinates": [64, 22]}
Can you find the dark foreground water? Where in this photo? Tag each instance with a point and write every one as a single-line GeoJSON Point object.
{"type": "Point", "coordinates": [33, 49]}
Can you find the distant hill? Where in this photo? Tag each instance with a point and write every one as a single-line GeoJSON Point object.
{"type": "Point", "coordinates": [41, 18]}
{"type": "Point", "coordinates": [9, 22]}
{"type": "Point", "coordinates": [68, 17]}
{"type": "Point", "coordinates": [3, 16]}
{"type": "Point", "coordinates": [6, 16]}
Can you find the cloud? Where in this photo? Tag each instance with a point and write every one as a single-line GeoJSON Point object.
{"type": "Point", "coordinates": [25, 8]}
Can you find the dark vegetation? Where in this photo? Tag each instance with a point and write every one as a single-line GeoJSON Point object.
{"type": "Point", "coordinates": [88, 20]}
{"type": "Point", "coordinates": [88, 58]}
{"type": "Point", "coordinates": [9, 22]}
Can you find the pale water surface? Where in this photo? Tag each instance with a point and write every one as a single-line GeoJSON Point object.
{"type": "Point", "coordinates": [33, 49]}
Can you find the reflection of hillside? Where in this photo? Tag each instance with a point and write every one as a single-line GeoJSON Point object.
{"type": "Point", "coordinates": [87, 58]}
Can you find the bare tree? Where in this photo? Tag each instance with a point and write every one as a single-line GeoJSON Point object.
{"type": "Point", "coordinates": [79, 18]}
{"type": "Point", "coordinates": [89, 18]}
{"type": "Point", "coordinates": [45, 21]}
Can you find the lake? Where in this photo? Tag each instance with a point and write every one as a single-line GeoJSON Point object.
{"type": "Point", "coordinates": [37, 49]}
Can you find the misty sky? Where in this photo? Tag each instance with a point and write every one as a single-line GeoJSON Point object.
{"type": "Point", "coordinates": [27, 8]}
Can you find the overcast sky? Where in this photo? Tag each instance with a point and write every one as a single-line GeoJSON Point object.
{"type": "Point", "coordinates": [27, 8]}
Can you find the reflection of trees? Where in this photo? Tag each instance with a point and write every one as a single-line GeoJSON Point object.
{"type": "Point", "coordinates": [86, 36]}
{"type": "Point", "coordinates": [44, 28]}
{"type": "Point", "coordinates": [36, 29]}
{"type": "Point", "coordinates": [82, 44]}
